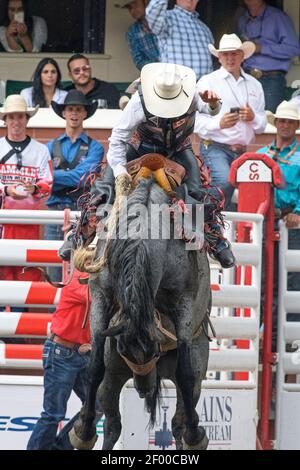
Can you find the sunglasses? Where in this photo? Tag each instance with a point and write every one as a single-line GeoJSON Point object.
{"type": "Point", "coordinates": [84, 68]}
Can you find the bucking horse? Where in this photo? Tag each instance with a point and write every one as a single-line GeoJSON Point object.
{"type": "Point", "coordinates": [151, 301]}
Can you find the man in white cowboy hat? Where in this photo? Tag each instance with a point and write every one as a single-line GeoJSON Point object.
{"type": "Point", "coordinates": [74, 156]}
{"type": "Point", "coordinates": [25, 175]}
{"type": "Point", "coordinates": [225, 137]}
{"type": "Point", "coordinates": [285, 150]}
{"type": "Point", "coordinates": [160, 118]}
{"type": "Point", "coordinates": [142, 42]}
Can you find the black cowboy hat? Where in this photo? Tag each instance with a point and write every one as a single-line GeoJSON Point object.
{"type": "Point", "coordinates": [75, 97]}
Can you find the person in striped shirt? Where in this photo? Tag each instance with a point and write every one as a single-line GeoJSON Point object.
{"type": "Point", "coordinates": [142, 42]}
{"type": "Point", "coordinates": [182, 38]}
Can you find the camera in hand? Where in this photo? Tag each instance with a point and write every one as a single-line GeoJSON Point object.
{"type": "Point", "coordinates": [235, 110]}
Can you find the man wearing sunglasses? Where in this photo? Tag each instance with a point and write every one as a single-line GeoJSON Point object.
{"type": "Point", "coordinates": [80, 72]}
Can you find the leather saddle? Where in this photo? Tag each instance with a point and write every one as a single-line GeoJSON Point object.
{"type": "Point", "coordinates": [168, 174]}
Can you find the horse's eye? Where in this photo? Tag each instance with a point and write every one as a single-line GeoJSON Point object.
{"type": "Point", "coordinates": [70, 235]}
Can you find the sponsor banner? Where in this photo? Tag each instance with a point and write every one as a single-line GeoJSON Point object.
{"type": "Point", "coordinates": [229, 417]}
{"type": "Point", "coordinates": [20, 408]}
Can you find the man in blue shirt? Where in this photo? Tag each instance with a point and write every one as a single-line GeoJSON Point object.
{"type": "Point", "coordinates": [276, 43]}
{"type": "Point", "coordinates": [285, 150]}
{"type": "Point", "coordinates": [141, 41]}
{"type": "Point", "coordinates": [75, 157]}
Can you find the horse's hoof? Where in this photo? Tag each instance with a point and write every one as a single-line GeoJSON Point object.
{"type": "Point", "coordinates": [78, 443]}
{"type": "Point", "coordinates": [201, 445]}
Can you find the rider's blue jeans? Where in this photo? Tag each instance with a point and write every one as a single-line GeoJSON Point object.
{"type": "Point", "coordinates": [64, 370]}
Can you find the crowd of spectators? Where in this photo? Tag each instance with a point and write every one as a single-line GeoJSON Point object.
{"type": "Point", "coordinates": [250, 80]}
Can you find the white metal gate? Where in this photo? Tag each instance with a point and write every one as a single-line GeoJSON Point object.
{"type": "Point", "coordinates": [288, 394]}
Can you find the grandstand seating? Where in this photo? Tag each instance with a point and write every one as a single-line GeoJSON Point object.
{"type": "Point", "coordinates": [16, 86]}
{"type": "Point", "coordinates": [11, 87]}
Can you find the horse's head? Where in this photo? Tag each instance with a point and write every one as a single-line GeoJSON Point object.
{"type": "Point", "coordinates": [140, 352]}
{"type": "Point", "coordinates": [65, 250]}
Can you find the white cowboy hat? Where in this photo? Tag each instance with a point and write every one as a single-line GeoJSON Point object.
{"type": "Point", "coordinates": [231, 42]}
{"type": "Point", "coordinates": [123, 4]}
{"type": "Point", "coordinates": [168, 89]}
{"type": "Point", "coordinates": [285, 110]}
{"type": "Point", "coordinates": [17, 104]}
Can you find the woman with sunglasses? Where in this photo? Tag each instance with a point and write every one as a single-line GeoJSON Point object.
{"type": "Point", "coordinates": [46, 85]}
{"type": "Point", "coordinates": [21, 32]}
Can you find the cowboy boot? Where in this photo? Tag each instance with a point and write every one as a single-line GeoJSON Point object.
{"type": "Point", "coordinates": [219, 247]}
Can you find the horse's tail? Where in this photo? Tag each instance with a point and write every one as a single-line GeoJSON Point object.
{"type": "Point", "coordinates": [130, 267]}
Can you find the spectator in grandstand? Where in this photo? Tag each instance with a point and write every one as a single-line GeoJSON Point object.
{"type": "Point", "coordinates": [224, 137]}
{"type": "Point", "coordinates": [182, 37]}
{"type": "Point", "coordinates": [276, 43]}
{"type": "Point", "coordinates": [142, 42]}
{"type": "Point", "coordinates": [25, 176]}
{"type": "Point", "coordinates": [21, 32]}
{"type": "Point", "coordinates": [285, 150]}
{"type": "Point", "coordinates": [103, 93]}
{"type": "Point", "coordinates": [75, 157]}
{"type": "Point", "coordinates": [46, 85]}
{"type": "Point", "coordinates": [65, 359]}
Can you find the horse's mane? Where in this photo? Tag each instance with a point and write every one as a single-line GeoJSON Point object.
{"type": "Point", "coordinates": [129, 266]}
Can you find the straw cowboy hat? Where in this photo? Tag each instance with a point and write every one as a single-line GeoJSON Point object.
{"type": "Point", "coordinates": [286, 110]}
{"type": "Point", "coordinates": [231, 42]}
{"type": "Point", "coordinates": [123, 4]}
{"type": "Point", "coordinates": [75, 97]}
{"type": "Point", "coordinates": [168, 89]}
{"type": "Point", "coordinates": [16, 104]}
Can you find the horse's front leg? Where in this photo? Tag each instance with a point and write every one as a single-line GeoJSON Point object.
{"type": "Point", "coordinates": [194, 437]}
{"type": "Point", "coordinates": [116, 375]}
{"type": "Point", "coordinates": [83, 434]}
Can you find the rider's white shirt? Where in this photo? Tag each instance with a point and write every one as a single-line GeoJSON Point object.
{"type": "Point", "coordinates": [233, 93]}
{"type": "Point", "coordinates": [131, 117]}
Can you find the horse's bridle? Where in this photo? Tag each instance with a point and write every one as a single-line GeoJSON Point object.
{"type": "Point", "coordinates": [141, 369]}
{"type": "Point", "coordinates": [147, 367]}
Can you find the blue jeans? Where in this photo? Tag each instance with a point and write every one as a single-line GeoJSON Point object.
{"type": "Point", "coordinates": [273, 86]}
{"type": "Point", "coordinates": [64, 370]}
{"type": "Point", "coordinates": [55, 232]}
{"type": "Point", "coordinates": [218, 158]}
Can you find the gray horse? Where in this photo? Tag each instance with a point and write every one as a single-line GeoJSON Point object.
{"type": "Point", "coordinates": [142, 276]}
